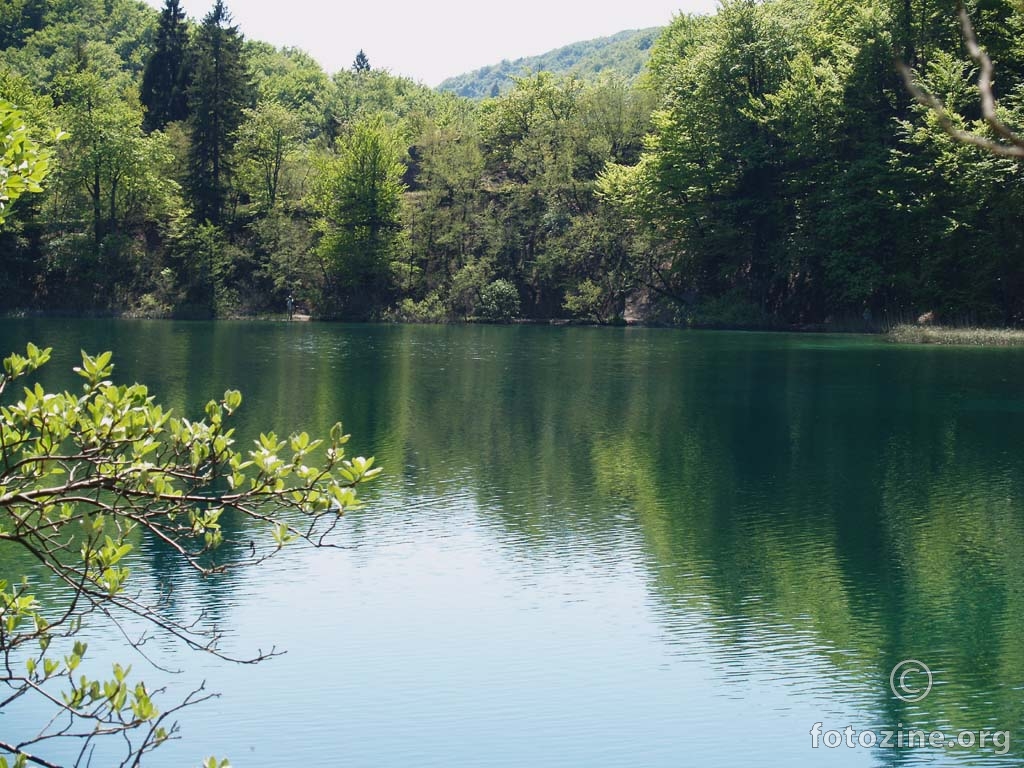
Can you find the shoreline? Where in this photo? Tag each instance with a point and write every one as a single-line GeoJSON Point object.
{"type": "Point", "coordinates": [808, 328]}
{"type": "Point", "coordinates": [935, 335]}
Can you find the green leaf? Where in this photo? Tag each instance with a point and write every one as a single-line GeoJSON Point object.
{"type": "Point", "coordinates": [232, 400]}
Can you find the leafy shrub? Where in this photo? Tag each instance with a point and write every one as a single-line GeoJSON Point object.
{"type": "Point", "coordinates": [467, 285]}
{"type": "Point", "coordinates": [499, 301]}
{"type": "Point", "coordinates": [429, 310]}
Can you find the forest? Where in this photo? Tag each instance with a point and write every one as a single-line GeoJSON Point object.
{"type": "Point", "coordinates": [769, 168]}
{"type": "Point", "coordinates": [625, 53]}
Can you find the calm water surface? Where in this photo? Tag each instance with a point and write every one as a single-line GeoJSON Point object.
{"type": "Point", "coordinates": [599, 547]}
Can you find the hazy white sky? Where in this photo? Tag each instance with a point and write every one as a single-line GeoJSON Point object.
{"type": "Point", "coordinates": [432, 40]}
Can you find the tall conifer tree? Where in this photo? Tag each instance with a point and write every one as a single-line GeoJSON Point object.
{"type": "Point", "coordinates": [165, 80]}
{"type": "Point", "coordinates": [220, 91]}
{"type": "Point", "coordinates": [361, 63]}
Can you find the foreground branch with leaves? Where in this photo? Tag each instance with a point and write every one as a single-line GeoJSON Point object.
{"type": "Point", "coordinates": [23, 163]}
{"type": "Point", "coordinates": [82, 476]}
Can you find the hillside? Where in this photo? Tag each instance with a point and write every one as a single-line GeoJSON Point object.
{"type": "Point", "coordinates": [625, 53]}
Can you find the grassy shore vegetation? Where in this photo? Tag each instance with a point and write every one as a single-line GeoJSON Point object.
{"type": "Point", "coordinates": [988, 337]}
{"type": "Point", "coordinates": [768, 169]}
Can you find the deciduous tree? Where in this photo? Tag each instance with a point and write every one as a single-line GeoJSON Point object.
{"type": "Point", "coordinates": [269, 133]}
{"type": "Point", "coordinates": [358, 198]}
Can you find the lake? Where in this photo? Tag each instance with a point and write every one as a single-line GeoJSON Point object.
{"type": "Point", "coordinates": [604, 547]}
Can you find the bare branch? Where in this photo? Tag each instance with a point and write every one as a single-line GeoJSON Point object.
{"type": "Point", "coordinates": [31, 758]}
{"type": "Point", "coordinates": [1012, 144]}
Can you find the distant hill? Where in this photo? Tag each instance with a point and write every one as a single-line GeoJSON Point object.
{"type": "Point", "coordinates": [625, 53]}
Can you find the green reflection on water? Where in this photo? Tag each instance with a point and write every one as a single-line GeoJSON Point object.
{"type": "Point", "coordinates": [860, 498]}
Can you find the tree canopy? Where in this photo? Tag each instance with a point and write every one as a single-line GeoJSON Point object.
{"type": "Point", "coordinates": [767, 168]}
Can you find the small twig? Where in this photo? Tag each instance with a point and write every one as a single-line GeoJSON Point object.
{"type": "Point", "coordinates": [31, 758]}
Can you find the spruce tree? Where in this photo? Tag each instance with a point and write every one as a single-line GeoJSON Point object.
{"type": "Point", "coordinates": [361, 64]}
{"type": "Point", "coordinates": [166, 77]}
{"type": "Point", "coordinates": [220, 91]}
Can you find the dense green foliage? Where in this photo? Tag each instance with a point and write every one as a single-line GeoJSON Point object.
{"type": "Point", "coordinates": [358, 196]}
{"type": "Point", "coordinates": [790, 178]}
{"type": "Point", "coordinates": [622, 54]}
{"type": "Point", "coordinates": [769, 168]}
{"type": "Point", "coordinates": [23, 163]}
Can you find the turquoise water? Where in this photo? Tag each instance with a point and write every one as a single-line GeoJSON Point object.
{"type": "Point", "coordinates": [602, 547]}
